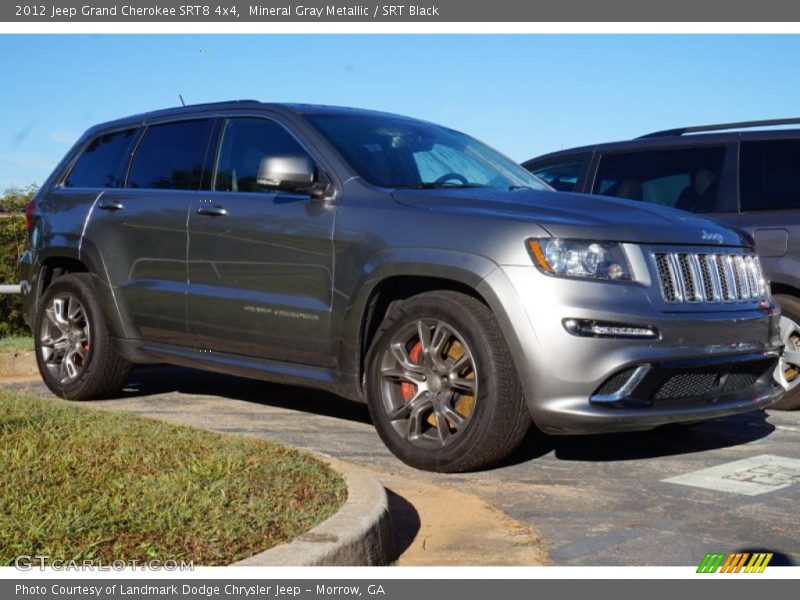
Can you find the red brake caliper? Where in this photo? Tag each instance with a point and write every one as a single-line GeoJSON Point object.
{"type": "Point", "coordinates": [408, 389]}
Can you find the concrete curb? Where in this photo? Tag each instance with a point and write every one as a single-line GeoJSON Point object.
{"type": "Point", "coordinates": [360, 534]}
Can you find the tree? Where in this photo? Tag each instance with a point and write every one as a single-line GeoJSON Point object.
{"type": "Point", "coordinates": [12, 245]}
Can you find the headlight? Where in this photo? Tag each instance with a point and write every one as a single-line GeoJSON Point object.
{"type": "Point", "coordinates": [580, 258]}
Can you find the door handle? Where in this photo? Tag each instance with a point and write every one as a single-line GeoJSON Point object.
{"type": "Point", "coordinates": [212, 211]}
{"type": "Point", "coordinates": [110, 205]}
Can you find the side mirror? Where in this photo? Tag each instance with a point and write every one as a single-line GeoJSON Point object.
{"type": "Point", "coordinates": [290, 173]}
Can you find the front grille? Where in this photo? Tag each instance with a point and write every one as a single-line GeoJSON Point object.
{"type": "Point", "coordinates": [689, 277]}
{"type": "Point", "coordinates": [666, 386]}
{"type": "Point", "coordinates": [685, 387]}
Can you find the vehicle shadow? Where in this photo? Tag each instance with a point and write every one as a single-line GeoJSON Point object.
{"type": "Point", "coordinates": [779, 559]}
{"type": "Point", "coordinates": [151, 380]}
{"type": "Point", "coordinates": [664, 441]}
{"type": "Point", "coordinates": [669, 440]}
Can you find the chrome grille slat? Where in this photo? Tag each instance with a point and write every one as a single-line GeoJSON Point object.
{"type": "Point", "coordinates": [741, 276]}
{"type": "Point", "coordinates": [726, 274]}
{"type": "Point", "coordinates": [690, 277]}
{"type": "Point", "coordinates": [716, 284]}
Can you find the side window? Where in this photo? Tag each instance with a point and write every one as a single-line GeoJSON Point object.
{"type": "Point", "coordinates": [769, 175]}
{"type": "Point", "coordinates": [103, 162]}
{"type": "Point", "coordinates": [562, 175]}
{"type": "Point", "coordinates": [685, 178]}
{"type": "Point", "coordinates": [245, 143]}
{"type": "Point", "coordinates": [171, 156]}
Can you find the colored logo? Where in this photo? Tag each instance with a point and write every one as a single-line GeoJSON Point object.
{"type": "Point", "coordinates": [745, 562]}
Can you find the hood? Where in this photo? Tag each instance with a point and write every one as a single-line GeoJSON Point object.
{"type": "Point", "coordinates": [579, 216]}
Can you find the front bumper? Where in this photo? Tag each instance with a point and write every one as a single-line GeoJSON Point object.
{"type": "Point", "coordinates": [564, 375]}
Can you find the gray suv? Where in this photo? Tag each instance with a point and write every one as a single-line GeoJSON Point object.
{"type": "Point", "coordinates": [393, 262]}
{"type": "Point", "coordinates": [746, 175]}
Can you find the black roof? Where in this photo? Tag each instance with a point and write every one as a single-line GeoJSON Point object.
{"type": "Point", "coordinates": [721, 127]}
{"type": "Point", "coordinates": [702, 134]}
{"type": "Point", "coordinates": [279, 107]}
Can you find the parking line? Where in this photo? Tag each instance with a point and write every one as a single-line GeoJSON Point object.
{"type": "Point", "coordinates": [749, 476]}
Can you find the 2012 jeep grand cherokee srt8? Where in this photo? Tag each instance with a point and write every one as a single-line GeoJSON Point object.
{"type": "Point", "coordinates": [391, 261]}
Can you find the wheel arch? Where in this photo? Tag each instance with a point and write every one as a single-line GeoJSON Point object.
{"type": "Point", "coordinates": [784, 288]}
{"type": "Point", "coordinates": [394, 280]}
{"type": "Point", "coordinates": [59, 261]}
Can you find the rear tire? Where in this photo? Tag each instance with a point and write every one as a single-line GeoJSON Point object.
{"type": "Point", "coordinates": [442, 390]}
{"type": "Point", "coordinates": [788, 371]}
{"type": "Point", "coordinates": [74, 352]}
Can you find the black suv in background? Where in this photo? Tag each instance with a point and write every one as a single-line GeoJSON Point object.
{"type": "Point", "coordinates": [743, 178]}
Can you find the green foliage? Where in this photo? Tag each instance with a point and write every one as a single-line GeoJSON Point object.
{"type": "Point", "coordinates": [14, 199]}
{"type": "Point", "coordinates": [81, 483]}
{"type": "Point", "coordinates": [12, 245]}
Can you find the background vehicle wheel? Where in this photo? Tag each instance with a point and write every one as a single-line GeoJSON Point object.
{"type": "Point", "coordinates": [787, 372]}
{"type": "Point", "coordinates": [75, 356]}
{"type": "Point", "coordinates": [441, 386]}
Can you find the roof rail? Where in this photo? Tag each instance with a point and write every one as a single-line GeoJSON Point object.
{"type": "Point", "coordinates": [236, 101]}
{"type": "Point", "coordinates": [720, 127]}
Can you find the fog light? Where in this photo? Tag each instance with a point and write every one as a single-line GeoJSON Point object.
{"type": "Point", "coordinates": [590, 328]}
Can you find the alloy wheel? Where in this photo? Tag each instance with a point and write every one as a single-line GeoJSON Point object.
{"type": "Point", "coordinates": [64, 338]}
{"type": "Point", "coordinates": [429, 383]}
{"type": "Point", "coordinates": [787, 373]}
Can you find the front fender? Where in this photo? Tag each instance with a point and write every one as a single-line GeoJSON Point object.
{"type": "Point", "coordinates": [463, 268]}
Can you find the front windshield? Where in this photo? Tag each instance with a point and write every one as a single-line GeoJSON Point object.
{"type": "Point", "coordinates": [394, 152]}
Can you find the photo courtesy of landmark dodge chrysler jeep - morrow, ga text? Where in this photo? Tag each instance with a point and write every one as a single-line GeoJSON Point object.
{"type": "Point", "coordinates": [391, 261]}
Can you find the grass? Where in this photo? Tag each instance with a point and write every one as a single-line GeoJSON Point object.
{"type": "Point", "coordinates": [77, 483]}
{"type": "Point", "coordinates": [16, 344]}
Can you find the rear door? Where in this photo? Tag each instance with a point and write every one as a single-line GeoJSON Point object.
{"type": "Point", "coordinates": [260, 260]}
{"type": "Point", "coordinates": [140, 229]}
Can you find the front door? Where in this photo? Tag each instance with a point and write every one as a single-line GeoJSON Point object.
{"type": "Point", "coordinates": [260, 261]}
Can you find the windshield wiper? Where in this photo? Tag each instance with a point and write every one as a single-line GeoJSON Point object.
{"type": "Point", "coordinates": [514, 188]}
{"type": "Point", "coordinates": [434, 185]}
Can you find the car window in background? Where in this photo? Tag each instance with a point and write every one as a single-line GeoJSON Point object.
{"type": "Point", "coordinates": [245, 143]}
{"type": "Point", "coordinates": [394, 152]}
{"type": "Point", "coordinates": [769, 175]}
{"type": "Point", "coordinates": [103, 162]}
{"type": "Point", "coordinates": [685, 178]}
{"type": "Point", "coordinates": [561, 176]}
{"type": "Point", "coordinates": [171, 156]}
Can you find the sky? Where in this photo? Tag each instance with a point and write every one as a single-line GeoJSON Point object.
{"type": "Point", "coordinates": [523, 94]}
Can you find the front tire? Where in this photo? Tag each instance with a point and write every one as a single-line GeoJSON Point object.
{"type": "Point", "coordinates": [74, 352]}
{"type": "Point", "coordinates": [441, 386]}
{"type": "Point", "coordinates": [787, 373]}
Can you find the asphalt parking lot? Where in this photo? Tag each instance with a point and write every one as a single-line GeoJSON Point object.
{"type": "Point", "coordinates": [632, 499]}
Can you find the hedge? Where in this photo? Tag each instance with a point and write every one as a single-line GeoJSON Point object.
{"type": "Point", "coordinates": [12, 244]}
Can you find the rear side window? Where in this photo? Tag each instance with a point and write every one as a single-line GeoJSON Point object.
{"type": "Point", "coordinates": [769, 175]}
{"type": "Point", "coordinates": [684, 178]}
{"type": "Point", "coordinates": [103, 163]}
{"type": "Point", "coordinates": [561, 175]}
{"type": "Point", "coordinates": [171, 156]}
{"type": "Point", "coordinates": [245, 143]}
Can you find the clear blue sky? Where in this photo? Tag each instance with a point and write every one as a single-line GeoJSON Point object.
{"type": "Point", "coordinates": [524, 94]}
